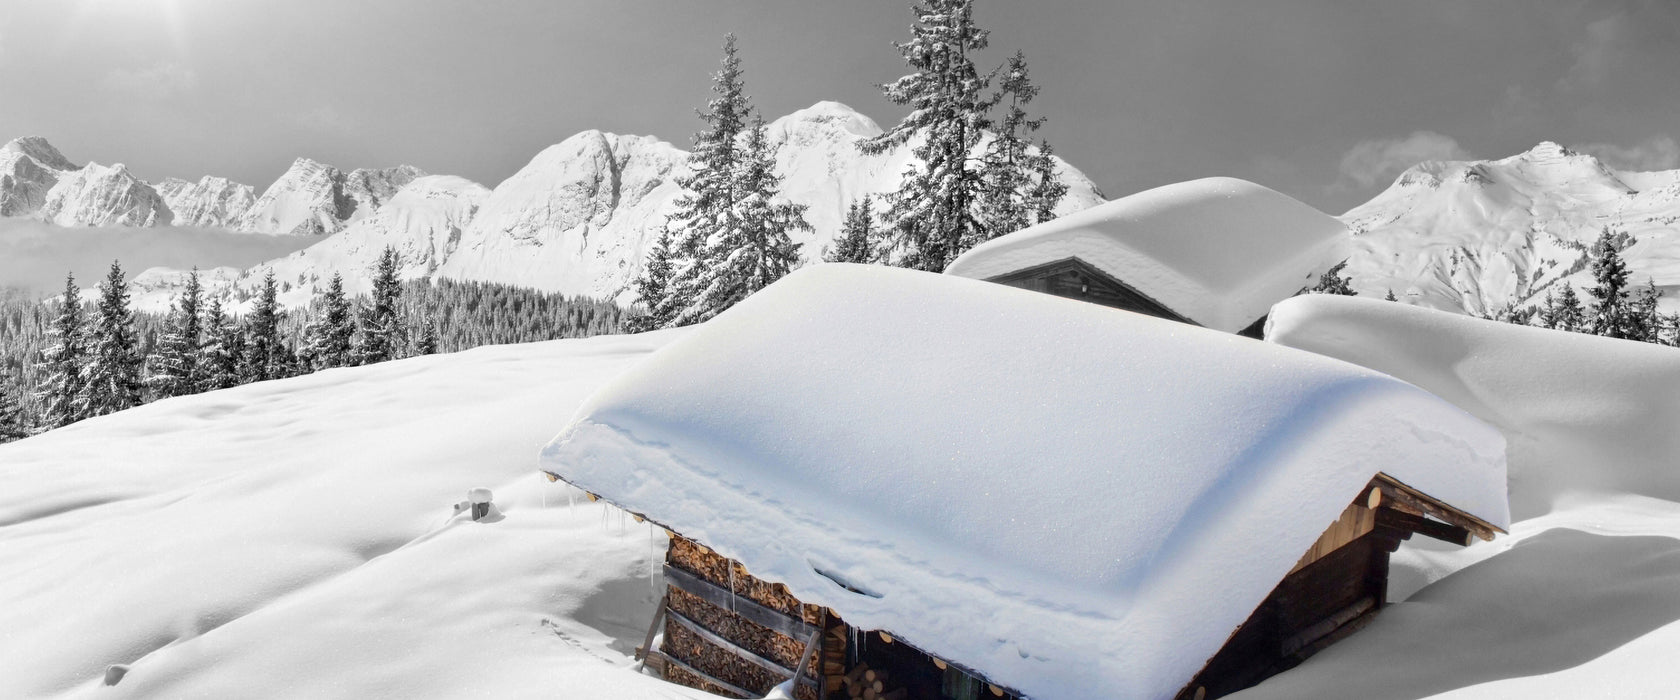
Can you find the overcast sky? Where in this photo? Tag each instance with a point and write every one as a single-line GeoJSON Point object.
{"type": "Point", "coordinates": [1326, 101]}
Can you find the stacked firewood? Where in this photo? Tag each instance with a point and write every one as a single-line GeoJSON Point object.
{"type": "Point", "coordinates": [871, 684]}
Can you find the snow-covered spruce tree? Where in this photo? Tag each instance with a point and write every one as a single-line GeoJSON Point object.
{"type": "Point", "coordinates": [1644, 321]}
{"type": "Point", "coordinates": [382, 327]}
{"type": "Point", "coordinates": [223, 349]}
{"type": "Point", "coordinates": [1610, 315]}
{"type": "Point", "coordinates": [111, 378]}
{"type": "Point", "coordinates": [14, 423]}
{"type": "Point", "coordinates": [61, 384]}
{"type": "Point", "coordinates": [1570, 315]}
{"type": "Point", "coordinates": [427, 344]}
{"type": "Point", "coordinates": [755, 249]}
{"type": "Point", "coordinates": [935, 211]}
{"type": "Point", "coordinates": [1390, 296]}
{"type": "Point", "coordinates": [329, 341]}
{"type": "Point", "coordinates": [856, 243]}
{"type": "Point", "coordinates": [264, 355]}
{"type": "Point", "coordinates": [1022, 186]}
{"type": "Point", "coordinates": [651, 286]}
{"type": "Point", "coordinates": [1332, 282]}
{"type": "Point", "coordinates": [174, 368]}
{"type": "Point", "coordinates": [1048, 188]}
{"type": "Point", "coordinates": [707, 206]}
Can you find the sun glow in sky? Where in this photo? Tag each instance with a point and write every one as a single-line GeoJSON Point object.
{"type": "Point", "coordinates": [1322, 99]}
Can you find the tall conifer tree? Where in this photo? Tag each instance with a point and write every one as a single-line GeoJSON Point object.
{"type": "Point", "coordinates": [111, 378]}
{"type": "Point", "coordinates": [223, 351]}
{"type": "Point", "coordinates": [856, 243]}
{"type": "Point", "coordinates": [755, 250]}
{"type": "Point", "coordinates": [934, 213]}
{"type": "Point", "coordinates": [383, 336]}
{"type": "Point", "coordinates": [61, 387]}
{"type": "Point", "coordinates": [651, 286]}
{"type": "Point", "coordinates": [264, 356]}
{"type": "Point", "coordinates": [1015, 190]}
{"type": "Point", "coordinates": [175, 368]}
{"type": "Point", "coordinates": [14, 424]}
{"type": "Point", "coordinates": [707, 207]}
{"type": "Point", "coordinates": [1610, 315]}
{"type": "Point", "coordinates": [1571, 316]}
{"type": "Point", "coordinates": [329, 341]}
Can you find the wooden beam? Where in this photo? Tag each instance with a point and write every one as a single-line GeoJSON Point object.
{"type": "Point", "coordinates": [653, 628]}
{"type": "Point", "coordinates": [746, 654]}
{"type": "Point", "coordinates": [1396, 494]}
{"type": "Point", "coordinates": [743, 606]}
{"type": "Point", "coordinates": [724, 685]}
{"type": "Point", "coordinates": [1324, 627]}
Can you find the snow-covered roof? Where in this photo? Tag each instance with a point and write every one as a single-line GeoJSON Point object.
{"type": "Point", "coordinates": [1219, 251]}
{"type": "Point", "coordinates": [1076, 502]}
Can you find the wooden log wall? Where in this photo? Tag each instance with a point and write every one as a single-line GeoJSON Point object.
{"type": "Point", "coordinates": [719, 647]}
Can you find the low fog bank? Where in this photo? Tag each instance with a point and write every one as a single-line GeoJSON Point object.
{"type": "Point", "coordinates": [34, 256]}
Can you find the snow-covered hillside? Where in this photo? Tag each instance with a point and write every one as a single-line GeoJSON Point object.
{"type": "Point", "coordinates": [296, 539]}
{"type": "Point", "coordinates": [211, 202]}
{"type": "Point", "coordinates": [1476, 236]}
{"type": "Point", "coordinates": [96, 195]}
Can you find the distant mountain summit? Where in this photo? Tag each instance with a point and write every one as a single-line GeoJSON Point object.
{"type": "Point", "coordinates": [1480, 236]}
{"type": "Point", "coordinates": [315, 199]}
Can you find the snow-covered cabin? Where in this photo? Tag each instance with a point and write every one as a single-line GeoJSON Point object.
{"type": "Point", "coordinates": [1216, 252]}
{"type": "Point", "coordinates": [970, 490]}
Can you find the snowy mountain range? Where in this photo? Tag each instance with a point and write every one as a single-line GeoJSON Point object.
{"type": "Point", "coordinates": [1466, 236]}
{"type": "Point", "coordinates": [1480, 236]}
{"type": "Point", "coordinates": [37, 181]}
{"type": "Point", "coordinates": [578, 219]}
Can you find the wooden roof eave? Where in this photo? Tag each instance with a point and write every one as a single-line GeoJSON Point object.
{"type": "Point", "coordinates": [1405, 498]}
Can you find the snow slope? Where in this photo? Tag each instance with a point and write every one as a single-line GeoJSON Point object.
{"type": "Point", "coordinates": [1219, 251]}
{"type": "Point", "coordinates": [1072, 529]}
{"type": "Point", "coordinates": [1579, 412]}
{"type": "Point", "coordinates": [1477, 236]}
{"type": "Point", "coordinates": [1583, 598]}
{"type": "Point", "coordinates": [424, 221]}
{"type": "Point", "coordinates": [295, 539]}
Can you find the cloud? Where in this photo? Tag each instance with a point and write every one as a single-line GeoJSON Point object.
{"type": "Point", "coordinates": [35, 255]}
{"type": "Point", "coordinates": [1655, 153]}
{"type": "Point", "coordinates": [1596, 54]}
{"type": "Point", "coordinates": [1370, 162]}
{"type": "Point", "coordinates": [156, 82]}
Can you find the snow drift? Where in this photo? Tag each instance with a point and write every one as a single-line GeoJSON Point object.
{"type": "Point", "coordinates": [294, 539]}
{"type": "Point", "coordinates": [1061, 495]}
{"type": "Point", "coordinates": [1566, 402]}
{"type": "Point", "coordinates": [1218, 250]}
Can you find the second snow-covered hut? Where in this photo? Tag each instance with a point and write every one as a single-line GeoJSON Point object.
{"type": "Point", "coordinates": [894, 484]}
{"type": "Point", "coordinates": [1215, 252]}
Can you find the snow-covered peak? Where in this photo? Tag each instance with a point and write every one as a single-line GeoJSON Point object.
{"type": "Point", "coordinates": [827, 115]}
{"type": "Point", "coordinates": [314, 198]}
{"type": "Point", "coordinates": [97, 195]}
{"type": "Point", "coordinates": [39, 150]}
{"type": "Point", "coordinates": [212, 201]}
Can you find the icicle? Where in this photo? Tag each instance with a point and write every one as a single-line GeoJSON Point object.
{"type": "Point", "coordinates": [571, 500]}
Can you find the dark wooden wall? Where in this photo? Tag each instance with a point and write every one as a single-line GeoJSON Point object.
{"type": "Point", "coordinates": [1076, 279]}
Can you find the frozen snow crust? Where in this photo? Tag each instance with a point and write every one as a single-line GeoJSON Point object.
{"type": "Point", "coordinates": [1219, 250]}
{"type": "Point", "coordinates": [1580, 412]}
{"type": "Point", "coordinates": [1078, 501]}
